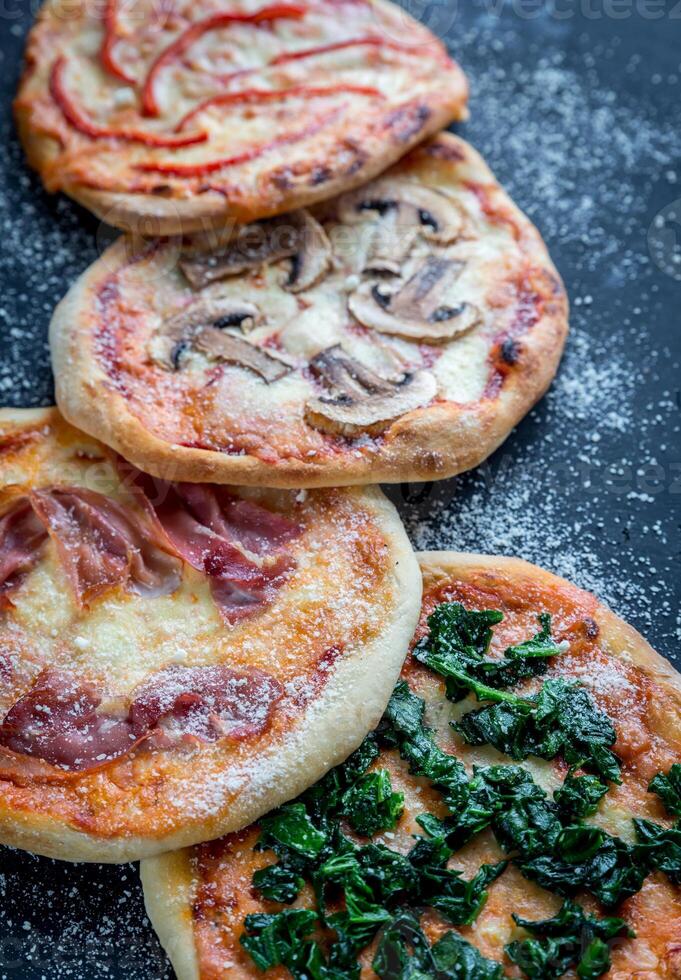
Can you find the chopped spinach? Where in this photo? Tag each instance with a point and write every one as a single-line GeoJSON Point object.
{"type": "Point", "coordinates": [404, 953]}
{"type": "Point", "coordinates": [365, 891]}
{"type": "Point", "coordinates": [586, 857]}
{"type": "Point", "coordinates": [571, 939]}
{"type": "Point", "coordinates": [668, 788]}
{"type": "Point", "coordinates": [579, 796]}
{"type": "Point", "coordinates": [291, 830]}
{"type": "Point", "coordinates": [370, 804]}
{"type": "Point", "coordinates": [547, 843]}
{"type": "Point", "coordinates": [561, 720]}
{"type": "Point", "coordinates": [457, 643]}
{"type": "Point", "coordinates": [278, 883]}
{"type": "Point", "coordinates": [283, 939]}
{"type": "Point", "coordinates": [661, 847]}
{"type": "Point", "coordinates": [402, 726]}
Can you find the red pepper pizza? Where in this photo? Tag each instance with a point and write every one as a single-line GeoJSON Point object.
{"type": "Point", "coordinates": [172, 117]}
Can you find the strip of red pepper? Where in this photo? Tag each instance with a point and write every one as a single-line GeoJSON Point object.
{"type": "Point", "coordinates": [108, 42]}
{"type": "Point", "coordinates": [76, 118]}
{"type": "Point", "coordinates": [211, 166]}
{"type": "Point", "coordinates": [192, 34]}
{"type": "Point", "coordinates": [256, 95]}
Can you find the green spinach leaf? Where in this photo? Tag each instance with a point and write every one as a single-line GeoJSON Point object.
{"type": "Point", "coordinates": [572, 939]}
{"type": "Point", "coordinates": [561, 720]}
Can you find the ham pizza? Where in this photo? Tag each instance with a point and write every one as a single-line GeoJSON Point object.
{"type": "Point", "coordinates": [173, 117]}
{"type": "Point", "coordinates": [396, 333]}
{"type": "Point", "coordinates": [176, 659]}
{"type": "Point", "coordinates": [516, 813]}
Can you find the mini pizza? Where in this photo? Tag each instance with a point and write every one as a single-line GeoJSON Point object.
{"type": "Point", "coordinates": [176, 659]}
{"type": "Point", "coordinates": [517, 812]}
{"type": "Point", "coordinates": [178, 116]}
{"type": "Point", "coordinates": [396, 333]}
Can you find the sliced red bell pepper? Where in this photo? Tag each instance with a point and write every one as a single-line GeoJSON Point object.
{"type": "Point", "coordinates": [211, 166]}
{"type": "Point", "coordinates": [374, 42]}
{"type": "Point", "coordinates": [258, 95]}
{"type": "Point", "coordinates": [187, 38]}
{"type": "Point", "coordinates": [80, 121]}
{"type": "Point", "coordinates": [109, 41]}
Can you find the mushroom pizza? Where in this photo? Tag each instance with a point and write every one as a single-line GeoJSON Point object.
{"type": "Point", "coordinates": [397, 332]}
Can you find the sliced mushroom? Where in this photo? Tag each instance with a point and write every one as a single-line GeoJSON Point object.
{"type": "Point", "coordinates": [204, 325]}
{"type": "Point", "coordinates": [425, 210]}
{"type": "Point", "coordinates": [296, 236]}
{"type": "Point", "coordinates": [414, 310]}
{"type": "Point", "coordinates": [358, 399]}
{"type": "Point", "coordinates": [392, 239]}
{"type": "Point", "coordinates": [235, 350]}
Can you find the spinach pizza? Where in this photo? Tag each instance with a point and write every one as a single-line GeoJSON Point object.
{"type": "Point", "coordinates": [515, 813]}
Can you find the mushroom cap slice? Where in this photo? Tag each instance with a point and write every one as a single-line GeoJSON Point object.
{"type": "Point", "coordinates": [226, 346]}
{"type": "Point", "coordinates": [438, 216]}
{"type": "Point", "coordinates": [296, 236]}
{"type": "Point", "coordinates": [359, 400]}
{"type": "Point", "coordinates": [392, 239]}
{"type": "Point", "coordinates": [176, 334]}
{"type": "Point", "coordinates": [313, 258]}
{"type": "Point", "coordinates": [413, 311]}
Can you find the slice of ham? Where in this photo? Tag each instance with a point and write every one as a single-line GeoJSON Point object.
{"type": "Point", "coordinates": [210, 529]}
{"type": "Point", "coordinates": [58, 722]}
{"type": "Point", "coordinates": [207, 703]}
{"type": "Point", "coordinates": [102, 544]}
{"type": "Point", "coordinates": [256, 529]}
{"type": "Point", "coordinates": [21, 539]}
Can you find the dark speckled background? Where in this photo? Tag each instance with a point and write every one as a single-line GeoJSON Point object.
{"type": "Point", "coordinates": [576, 105]}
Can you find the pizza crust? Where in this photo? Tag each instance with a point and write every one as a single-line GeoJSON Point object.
{"type": "Point", "coordinates": [326, 730]}
{"type": "Point", "coordinates": [434, 442]}
{"type": "Point", "coordinates": [171, 875]}
{"type": "Point", "coordinates": [366, 143]}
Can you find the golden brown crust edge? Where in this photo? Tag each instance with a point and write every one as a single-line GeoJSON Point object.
{"type": "Point", "coordinates": [427, 444]}
{"type": "Point", "coordinates": [168, 898]}
{"type": "Point", "coordinates": [145, 214]}
{"type": "Point", "coordinates": [334, 726]}
{"type": "Point", "coordinates": [164, 877]}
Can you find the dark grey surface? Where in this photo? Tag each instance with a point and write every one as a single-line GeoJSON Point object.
{"type": "Point", "coordinates": [576, 105]}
